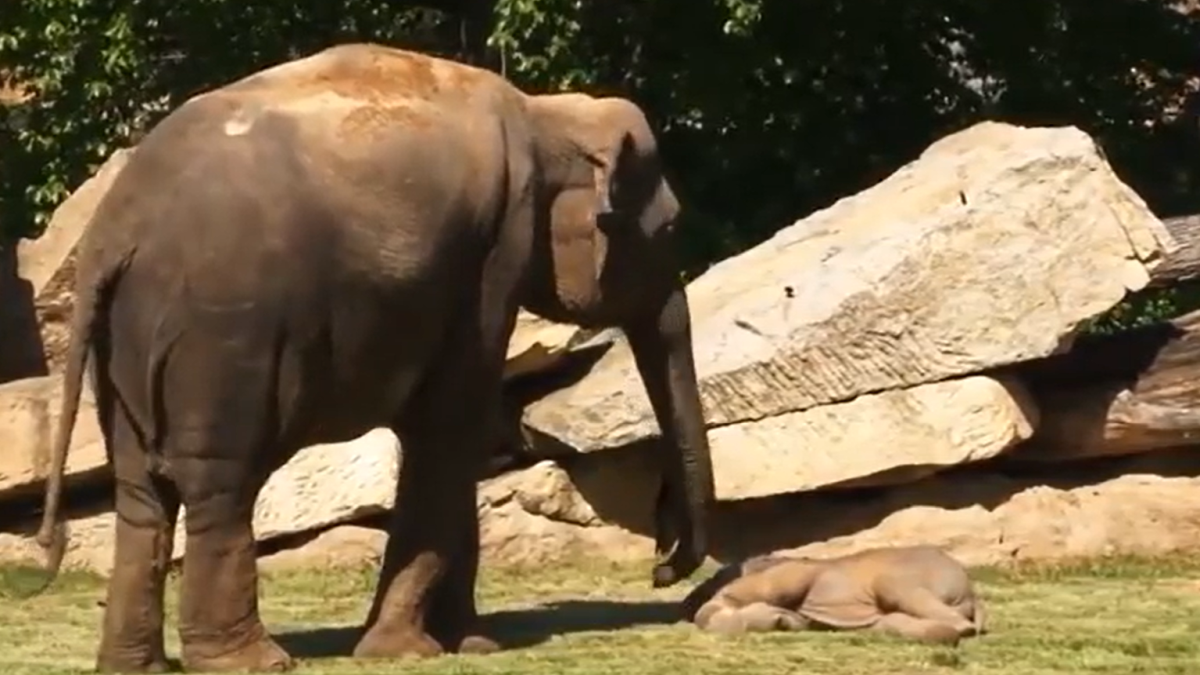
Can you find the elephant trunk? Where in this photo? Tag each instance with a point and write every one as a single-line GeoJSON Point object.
{"type": "Point", "coordinates": [662, 348]}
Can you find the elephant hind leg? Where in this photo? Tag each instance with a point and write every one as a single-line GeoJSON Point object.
{"type": "Point", "coordinates": [761, 617]}
{"type": "Point", "coordinates": [924, 630]}
{"type": "Point", "coordinates": [222, 446]}
{"type": "Point", "coordinates": [756, 617]}
{"type": "Point", "coordinates": [146, 508]}
{"type": "Point", "coordinates": [220, 626]}
{"type": "Point", "coordinates": [920, 602]}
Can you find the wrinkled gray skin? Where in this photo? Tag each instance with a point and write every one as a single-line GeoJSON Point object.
{"type": "Point", "coordinates": [914, 592]}
{"type": "Point", "coordinates": [342, 242]}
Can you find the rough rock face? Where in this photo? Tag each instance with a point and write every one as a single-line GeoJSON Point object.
{"type": "Point", "coordinates": [340, 546]}
{"type": "Point", "coordinates": [598, 506]}
{"type": "Point", "coordinates": [994, 231]}
{"type": "Point", "coordinates": [29, 413]}
{"type": "Point", "coordinates": [47, 264]}
{"type": "Point", "coordinates": [329, 483]}
{"type": "Point", "coordinates": [1132, 514]}
{"type": "Point", "coordinates": [875, 439]}
{"type": "Point", "coordinates": [539, 516]}
{"type": "Point", "coordinates": [322, 485]}
{"type": "Point", "coordinates": [536, 344]}
{"type": "Point", "coordinates": [529, 516]}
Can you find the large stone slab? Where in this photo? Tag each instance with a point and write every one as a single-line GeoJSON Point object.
{"type": "Point", "coordinates": [29, 413]}
{"type": "Point", "coordinates": [327, 484]}
{"type": "Point", "coordinates": [527, 516]}
{"type": "Point", "coordinates": [47, 264]}
{"type": "Point", "coordinates": [536, 345]}
{"type": "Point", "coordinates": [990, 248]}
{"type": "Point", "coordinates": [323, 485]}
{"type": "Point", "coordinates": [887, 438]}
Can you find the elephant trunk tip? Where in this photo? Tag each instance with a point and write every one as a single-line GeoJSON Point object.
{"type": "Point", "coordinates": [678, 566]}
{"type": "Point", "coordinates": [663, 577]}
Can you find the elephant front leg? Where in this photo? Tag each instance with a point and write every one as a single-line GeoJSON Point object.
{"type": "Point", "coordinates": [453, 617]}
{"type": "Point", "coordinates": [219, 623]}
{"type": "Point", "coordinates": [132, 634]}
{"type": "Point", "coordinates": [435, 497]}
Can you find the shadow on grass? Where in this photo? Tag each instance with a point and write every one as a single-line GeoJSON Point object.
{"type": "Point", "coordinates": [512, 628]}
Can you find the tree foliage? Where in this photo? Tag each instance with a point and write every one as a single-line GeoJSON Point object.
{"type": "Point", "coordinates": [768, 109]}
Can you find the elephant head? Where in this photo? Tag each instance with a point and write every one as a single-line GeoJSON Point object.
{"type": "Point", "coordinates": [604, 256]}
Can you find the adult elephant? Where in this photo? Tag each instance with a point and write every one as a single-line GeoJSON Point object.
{"type": "Point", "coordinates": [341, 242]}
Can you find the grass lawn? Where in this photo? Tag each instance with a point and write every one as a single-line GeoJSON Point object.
{"type": "Point", "coordinates": [1105, 616]}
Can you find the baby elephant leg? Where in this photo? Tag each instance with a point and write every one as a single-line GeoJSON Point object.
{"type": "Point", "coordinates": [761, 617]}
{"type": "Point", "coordinates": [923, 604]}
{"type": "Point", "coordinates": [913, 628]}
{"type": "Point", "coordinates": [756, 617]}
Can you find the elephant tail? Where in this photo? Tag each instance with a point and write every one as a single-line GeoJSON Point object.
{"type": "Point", "coordinates": [91, 294]}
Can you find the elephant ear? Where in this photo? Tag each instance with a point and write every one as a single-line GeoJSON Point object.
{"type": "Point", "coordinates": [608, 164]}
{"type": "Point", "coordinates": [607, 176]}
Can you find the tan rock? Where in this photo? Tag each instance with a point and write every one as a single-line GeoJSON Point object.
{"type": "Point", "coordinates": [1127, 393]}
{"type": "Point", "coordinates": [323, 485]}
{"type": "Point", "coordinates": [601, 509]}
{"type": "Point", "coordinates": [537, 515]}
{"type": "Point", "coordinates": [41, 259]}
{"type": "Point", "coordinates": [90, 545]}
{"type": "Point", "coordinates": [529, 516]}
{"type": "Point", "coordinates": [47, 262]}
{"type": "Point", "coordinates": [29, 413]}
{"type": "Point", "coordinates": [1127, 515]}
{"type": "Point", "coordinates": [343, 546]}
{"type": "Point", "coordinates": [876, 439]}
{"type": "Point", "coordinates": [536, 344]}
{"type": "Point", "coordinates": [328, 484]}
{"type": "Point", "coordinates": [994, 231]}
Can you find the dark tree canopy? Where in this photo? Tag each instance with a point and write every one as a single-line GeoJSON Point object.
{"type": "Point", "coordinates": [768, 109]}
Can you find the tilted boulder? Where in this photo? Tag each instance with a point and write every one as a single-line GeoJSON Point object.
{"type": "Point", "coordinates": [527, 516]}
{"type": "Point", "coordinates": [536, 344]}
{"type": "Point", "coordinates": [322, 485]}
{"type": "Point", "coordinates": [990, 248]}
{"type": "Point", "coordinates": [29, 413]}
{"type": "Point", "coordinates": [47, 264]}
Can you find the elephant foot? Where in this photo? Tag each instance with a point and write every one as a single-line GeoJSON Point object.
{"type": "Point", "coordinates": [382, 643]}
{"type": "Point", "coordinates": [477, 644]}
{"type": "Point", "coordinates": [263, 655]}
{"type": "Point", "coordinates": [941, 635]}
{"type": "Point", "coordinates": [113, 663]}
{"type": "Point", "coordinates": [464, 640]}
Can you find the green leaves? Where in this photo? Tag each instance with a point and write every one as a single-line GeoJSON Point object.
{"type": "Point", "coordinates": [538, 42]}
{"type": "Point", "coordinates": [767, 109]}
{"type": "Point", "coordinates": [101, 73]}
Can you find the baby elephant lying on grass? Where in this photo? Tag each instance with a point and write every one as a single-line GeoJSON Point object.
{"type": "Point", "coordinates": [916, 592]}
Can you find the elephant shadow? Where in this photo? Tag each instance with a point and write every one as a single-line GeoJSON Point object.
{"type": "Point", "coordinates": [512, 628]}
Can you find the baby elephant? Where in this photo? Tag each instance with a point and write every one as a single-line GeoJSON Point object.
{"type": "Point", "coordinates": [916, 592]}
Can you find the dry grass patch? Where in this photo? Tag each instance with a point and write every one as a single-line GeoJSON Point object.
{"type": "Point", "coordinates": [1103, 616]}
